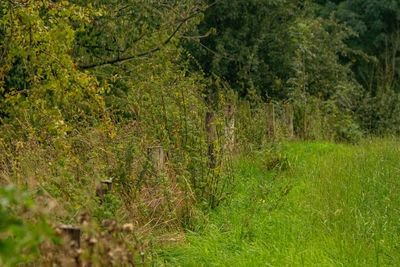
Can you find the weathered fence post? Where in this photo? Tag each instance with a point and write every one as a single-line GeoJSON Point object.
{"type": "Point", "coordinates": [289, 114]}
{"type": "Point", "coordinates": [230, 127]}
{"type": "Point", "coordinates": [73, 236]}
{"type": "Point", "coordinates": [156, 155]}
{"type": "Point", "coordinates": [210, 129]}
{"type": "Point", "coordinates": [103, 188]}
{"type": "Point", "coordinates": [72, 232]}
{"type": "Point", "coordinates": [108, 183]}
{"type": "Point", "coordinates": [306, 122]}
{"type": "Point", "coordinates": [270, 120]}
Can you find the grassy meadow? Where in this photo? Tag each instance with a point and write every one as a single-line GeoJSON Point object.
{"type": "Point", "coordinates": [307, 204]}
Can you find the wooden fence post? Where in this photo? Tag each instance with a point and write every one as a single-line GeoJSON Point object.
{"type": "Point", "coordinates": [156, 155]}
{"type": "Point", "coordinates": [306, 122]}
{"type": "Point", "coordinates": [108, 183]}
{"type": "Point", "coordinates": [289, 113]}
{"type": "Point", "coordinates": [103, 188]}
{"type": "Point", "coordinates": [230, 127]}
{"type": "Point", "coordinates": [270, 120]}
{"type": "Point", "coordinates": [72, 232]}
{"type": "Point", "coordinates": [210, 129]}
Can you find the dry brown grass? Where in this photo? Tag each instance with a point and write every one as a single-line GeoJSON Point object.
{"type": "Point", "coordinates": [62, 182]}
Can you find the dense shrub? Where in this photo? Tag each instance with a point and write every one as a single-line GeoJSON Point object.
{"type": "Point", "coordinates": [20, 238]}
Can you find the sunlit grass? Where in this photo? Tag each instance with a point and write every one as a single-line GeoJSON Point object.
{"type": "Point", "coordinates": [328, 205]}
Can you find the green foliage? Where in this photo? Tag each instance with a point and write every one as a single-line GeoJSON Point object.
{"type": "Point", "coordinates": [145, 97]}
{"type": "Point", "coordinates": [88, 87]}
{"type": "Point", "coordinates": [108, 209]}
{"type": "Point", "coordinates": [20, 239]}
{"type": "Point", "coordinates": [242, 44]}
{"type": "Point", "coordinates": [322, 81]}
{"type": "Point", "coordinates": [43, 94]}
{"type": "Point", "coordinates": [319, 44]}
{"type": "Point", "coordinates": [131, 31]}
{"type": "Point", "coordinates": [154, 92]}
{"type": "Point", "coordinates": [380, 114]}
{"type": "Point", "coordinates": [376, 63]}
{"type": "Point", "coordinates": [279, 51]}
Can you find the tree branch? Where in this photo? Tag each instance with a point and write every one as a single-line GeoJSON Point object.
{"type": "Point", "coordinates": [127, 58]}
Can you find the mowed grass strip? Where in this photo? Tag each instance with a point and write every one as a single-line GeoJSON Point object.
{"type": "Point", "coordinates": [312, 204]}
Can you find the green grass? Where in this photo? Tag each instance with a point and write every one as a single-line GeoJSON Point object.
{"type": "Point", "coordinates": [322, 205]}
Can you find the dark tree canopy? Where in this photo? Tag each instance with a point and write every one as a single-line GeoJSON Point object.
{"type": "Point", "coordinates": [245, 41]}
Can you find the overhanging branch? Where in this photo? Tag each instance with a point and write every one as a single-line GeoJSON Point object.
{"type": "Point", "coordinates": [127, 58]}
